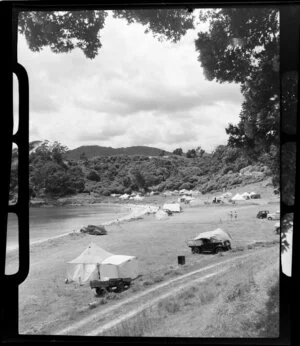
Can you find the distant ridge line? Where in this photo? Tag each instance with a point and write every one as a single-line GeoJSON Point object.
{"type": "Point", "coordinates": [91, 151]}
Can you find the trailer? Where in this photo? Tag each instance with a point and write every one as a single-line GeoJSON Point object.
{"type": "Point", "coordinates": [110, 285]}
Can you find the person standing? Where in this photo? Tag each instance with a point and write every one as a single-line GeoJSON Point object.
{"type": "Point", "coordinates": [231, 215]}
{"type": "Point", "coordinates": [235, 215]}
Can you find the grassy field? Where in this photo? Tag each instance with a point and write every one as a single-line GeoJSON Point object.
{"type": "Point", "coordinates": [239, 303]}
{"type": "Point", "coordinates": [46, 300]}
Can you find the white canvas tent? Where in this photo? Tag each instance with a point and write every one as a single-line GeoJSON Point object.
{"type": "Point", "coordinates": [94, 263]}
{"type": "Point", "coordinates": [217, 234]}
{"type": "Point", "coordinates": [172, 207]}
{"type": "Point", "coordinates": [238, 197]}
{"type": "Point", "coordinates": [246, 195]}
{"type": "Point", "coordinates": [161, 215]}
{"type": "Point", "coordinates": [85, 267]}
{"type": "Point", "coordinates": [119, 266]}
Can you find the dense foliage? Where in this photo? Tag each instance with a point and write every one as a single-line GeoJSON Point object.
{"type": "Point", "coordinates": [52, 175]}
{"type": "Point", "coordinates": [242, 46]}
{"type": "Point", "coordinates": [65, 30]}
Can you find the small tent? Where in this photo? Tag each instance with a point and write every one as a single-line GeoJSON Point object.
{"type": "Point", "coordinates": [246, 195]}
{"type": "Point", "coordinates": [238, 197]}
{"type": "Point", "coordinates": [175, 208]}
{"type": "Point", "coordinates": [85, 267]}
{"type": "Point", "coordinates": [119, 266]}
{"type": "Point", "coordinates": [185, 192]}
{"type": "Point", "coordinates": [125, 196]}
{"type": "Point", "coordinates": [161, 215]}
{"type": "Point", "coordinates": [217, 234]}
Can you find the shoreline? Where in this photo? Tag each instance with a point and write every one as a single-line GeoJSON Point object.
{"type": "Point", "coordinates": [135, 211]}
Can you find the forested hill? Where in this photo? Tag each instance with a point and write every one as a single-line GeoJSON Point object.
{"type": "Point", "coordinates": [91, 151]}
{"type": "Point", "coordinates": [51, 174]}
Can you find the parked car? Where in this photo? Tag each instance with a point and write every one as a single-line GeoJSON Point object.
{"type": "Point", "coordinates": [274, 216]}
{"type": "Point", "coordinates": [255, 196]}
{"type": "Point", "coordinates": [262, 214]}
{"type": "Point", "coordinates": [211, 242]}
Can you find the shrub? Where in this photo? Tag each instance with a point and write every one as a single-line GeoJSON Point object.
{"type": "Point", "coordinates": [93, 175]}
{"type": "Point", "coordinates": [186, 186]}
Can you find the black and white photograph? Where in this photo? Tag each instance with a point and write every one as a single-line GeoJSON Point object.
{"type": "Point", "coordinates": [154, 173]}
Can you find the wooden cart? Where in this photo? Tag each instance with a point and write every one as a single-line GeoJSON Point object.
{"type": "Point", "coordinates": [111, 285]}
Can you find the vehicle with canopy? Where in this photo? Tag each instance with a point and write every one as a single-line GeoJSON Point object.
{"type": "Point", "coordinates": [211, 242]}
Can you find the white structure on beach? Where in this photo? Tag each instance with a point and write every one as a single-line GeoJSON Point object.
{"type": "Point", "coordinates": [238, 197]}
{"type": "Point", "coordinates": [175, 207]}
{"type": "Point", "coordinates": [94, 263]}
{"type": "Point", "coordinates": [246, 195]}
{"type": "Point", "coordinates": [161, 215]}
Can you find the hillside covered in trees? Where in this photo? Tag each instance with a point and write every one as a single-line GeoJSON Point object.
{"type": "Point", "coordinates": [53, 175]}
{"type": "Point", "coordinates": [90, 151]}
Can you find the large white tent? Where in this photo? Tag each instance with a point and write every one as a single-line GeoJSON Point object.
{"type": "Point", "coordinates": [85, 267]}
{"type": "Point", "coordinates": [94, 263]}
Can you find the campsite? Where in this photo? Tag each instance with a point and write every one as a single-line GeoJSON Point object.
{"type": "Point", "coordinates": [152, 145]}
{"type": "Point", "coordinates": [47, 302]}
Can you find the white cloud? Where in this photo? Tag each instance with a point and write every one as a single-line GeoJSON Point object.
{"type": "Point", "coordinates": [137, 91]}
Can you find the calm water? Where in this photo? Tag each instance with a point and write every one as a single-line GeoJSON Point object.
{"type": "Point", "coordinates": [53, 221]}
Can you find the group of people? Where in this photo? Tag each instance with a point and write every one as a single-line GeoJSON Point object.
{"type": "Point", "coordinates": [233, 215]}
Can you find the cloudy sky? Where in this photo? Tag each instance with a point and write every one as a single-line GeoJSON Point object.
{"type": "Point", "coordinates": [137, 91]}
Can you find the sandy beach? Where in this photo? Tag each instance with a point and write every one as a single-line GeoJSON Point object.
{"type": "Point", "coordinates": [134, 211]}
{"type": "Point", "coordinates": [45, 299]}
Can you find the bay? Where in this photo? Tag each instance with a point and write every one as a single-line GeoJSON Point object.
{"type": "Point", "coordinates": [51, 222]}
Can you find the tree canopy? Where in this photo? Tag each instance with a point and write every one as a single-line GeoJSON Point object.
{"type": "Point", "coordinates": [63, 31]}
{"type": "Point", "coordinates": [242, 46]}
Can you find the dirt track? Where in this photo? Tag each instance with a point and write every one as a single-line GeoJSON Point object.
{"type": "Point", "coordinates": [104, 319]}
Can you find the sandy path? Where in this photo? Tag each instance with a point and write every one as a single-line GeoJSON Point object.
{"type": "Point", "coordinates": [104, 319]}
